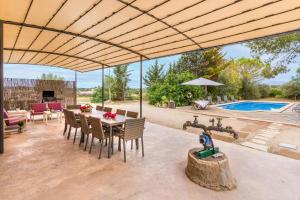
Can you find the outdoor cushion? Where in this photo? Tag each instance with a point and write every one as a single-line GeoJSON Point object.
{"type": "Point", "coordinates": [55, 106]}
{"type": "Point", "coordinates": [14, 120]}
{"type": "Point", "coordinates": [5, 114]}
{"type": "Point", "coordinates": [38, 107]}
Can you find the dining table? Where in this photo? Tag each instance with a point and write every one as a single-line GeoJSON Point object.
{"type": "Point", "coordinates": [119, 120]}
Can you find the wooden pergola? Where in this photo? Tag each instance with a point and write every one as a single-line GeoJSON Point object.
{"type": "Point", "coordinates": [97, 34]}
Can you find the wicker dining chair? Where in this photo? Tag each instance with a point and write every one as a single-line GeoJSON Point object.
{"type": "Point", "coordinates": [107, 109]}
{"type": "Point", "coordinates": [99, 108]}
{"type": "Point", "coordinates": [132, 114]}
{"type": "Point", "coordinates": [121, 112]}
{"type": "Point", "coordinates": [134, 130]}
{"type": "Point", "coordinates": [73, 122]}
{"type": "Point", "coordinates": [66, 121]}
{"type": "Point", "coordinates": [97, 132]}
{"type": "Point", "coordinates": [85, 129]}
{"type": "Point", "coordinates": [73, 106]}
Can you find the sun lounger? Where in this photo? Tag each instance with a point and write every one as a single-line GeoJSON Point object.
{"type": "Point", "coordinates": [225, 99]}
{"type": "Point", "coordinates": [219, 100]}
{"type": "Point", "coordinates": [200, 104]}
{"type": "Point", "coordinates": [209, 99]}
{"type": "Point", "coordinates": [232, 98]}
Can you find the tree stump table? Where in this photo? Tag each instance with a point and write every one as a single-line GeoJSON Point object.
{"type": "Point", "coordinates": [212, 173]}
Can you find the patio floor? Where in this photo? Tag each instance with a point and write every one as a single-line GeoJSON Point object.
{"type": "Point", "coordinates": [41, 164]}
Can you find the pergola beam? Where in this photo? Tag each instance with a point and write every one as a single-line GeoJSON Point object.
{"type": "Point", "coordinates": [73, 34]}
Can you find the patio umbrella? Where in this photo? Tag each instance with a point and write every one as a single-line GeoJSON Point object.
{"type": "Point", "coordinates": [202, 82]}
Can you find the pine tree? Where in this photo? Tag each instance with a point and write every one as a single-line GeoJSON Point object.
{"type": "Point", "coordinates": [154, 75]}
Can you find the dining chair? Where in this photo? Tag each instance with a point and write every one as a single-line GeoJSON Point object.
{"type": "Point", "coordinates": [107, 109]}
{"type": "Point", "coordinates": [73, 122]}
{"type": "Point", "coordinates": [121, 112]}
{"type": "Point", "coordinates": [85, 129]}
{"type": "Point", "coordinates": [133, 129]}
{"type": "Point", "coordinates": [66, 121]}
{"type": "Point", "coordinates": [97, 132]}
{"type": "Point", "coordinates": [99, 108]}
{"type": "Point", "coordinates": [73, 106]}
{"type": "Point", "coordinates": [132, 114]}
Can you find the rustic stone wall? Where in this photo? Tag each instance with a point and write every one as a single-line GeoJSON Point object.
{"type": "Point", "coordinates": [22, 92]}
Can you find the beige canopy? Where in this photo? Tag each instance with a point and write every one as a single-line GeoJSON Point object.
{"type": "Point", "coordinates": [83, 35]}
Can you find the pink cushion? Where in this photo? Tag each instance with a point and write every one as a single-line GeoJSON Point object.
{"type": "Point", "coordinates": [39, 107]}
{"type": "Point", "coordinates": [14, 120]}
{"type": "Point", "coordinates": [55, 106]}
{"type": "Point", "coordinates": [5, 114]}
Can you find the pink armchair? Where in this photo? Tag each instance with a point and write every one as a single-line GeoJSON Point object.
{"type": "Point", "coordinates": [37, 109]}
{"type": "Point", "coordinates": [56, 106]}
{"type": "Point", "coordinates": [11, 121]}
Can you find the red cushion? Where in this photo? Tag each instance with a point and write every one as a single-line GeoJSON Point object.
{"type": "Point", "coordinates": [39, 107]}
{"type": "Point", "coordinates": [55, 106]}
{"type": "Point", "coordinates": [5, 114]}
{"type": "Point", "coordinates": [14, 120]}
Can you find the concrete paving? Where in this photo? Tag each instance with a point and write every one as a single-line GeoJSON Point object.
{"type": "Point", "coordinates": [41, 164]}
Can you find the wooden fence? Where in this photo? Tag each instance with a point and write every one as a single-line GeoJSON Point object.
{"type": "Point", "coordinates": [21, 93]}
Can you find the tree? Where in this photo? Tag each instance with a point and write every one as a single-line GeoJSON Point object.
{"type": "Point", "coordinates": [208, 63]}
{"type": "Point", "coordinates": [154, 75]}
{"type": "Point", "coordinates": [121, 80]}
{"type": "Point", "coordinates": [280, 51]}
{"type": "Point", "coordinates": [51, 76]}
{"type": "Point", "coordinates": [292, 88]}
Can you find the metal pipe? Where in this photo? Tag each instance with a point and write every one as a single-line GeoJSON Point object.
{"type": "Point", "coordinates": [75, 89]}
{"type": "Point", "coordinates": [102, 85]}
{"type": "Point", "coordinates": [1, 90]}
{"type": "Point", "coordinates": [141, 86]}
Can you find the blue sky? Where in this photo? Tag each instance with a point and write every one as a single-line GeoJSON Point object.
{"type": "Point", "coordinates": [92, 79]}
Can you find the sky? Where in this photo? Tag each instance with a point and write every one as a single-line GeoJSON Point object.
{"type": "Point", "coordinates": [93, 79]}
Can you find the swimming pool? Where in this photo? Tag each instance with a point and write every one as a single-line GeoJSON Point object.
{"type": "Point", "coordinates": [254, 106]}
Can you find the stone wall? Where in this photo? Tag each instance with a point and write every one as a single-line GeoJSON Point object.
{"type": "Point", "coordinates": [22, 92]}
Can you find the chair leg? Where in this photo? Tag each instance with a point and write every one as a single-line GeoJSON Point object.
{"type": "Point", "coordinates": [119, 144]}
{"type": "Point", "coordinates": [137, 144]}
{"type": "Point", "coordinates": [65, 129]}
{"type": "Point", "coordinates": [112, 145]}
{"type": "Point", "coordinates": [100, 149]}
{"type": "Point", "coordinates": [105, 142]}
{"type": "Point", "coordinates": [142, 141]}
{"type": "Point", "coordinates": [75, 135]}
{"type": "Point", "coordinates": [87, 138]}
{"type": "Point", "coordinates": [131, 144]}
{"type": "Point", "coordinates": [69, 133]}
{"type": "Point", "coordinates": [124, 148]}
{"type": "Point", "coordinates": [91, 144]}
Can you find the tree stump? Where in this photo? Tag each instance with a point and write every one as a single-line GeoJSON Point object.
{"type": "Point", "coordinates": [212, 173]}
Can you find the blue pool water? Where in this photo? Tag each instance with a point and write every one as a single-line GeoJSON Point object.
{"type": "Point", "coordinates": [253, 106]}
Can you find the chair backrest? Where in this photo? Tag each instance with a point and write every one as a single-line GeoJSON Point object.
{"type": "Point", "coordinates": [99, 108]}
{"type": "Point", "coordinates": [55, 106]}
{"type": "Point", "coordinates": [232, 98]}
{"type": "Point", "coordinates": [134, 128]}
{"type": "Point", "coordinates": [39, 107]}
{"type": "Point", "coordinates": [132, 114]}
{"type": "Point", "coordinates": [72, 119]}
{"type": "Point", "coordinates": [107, 109]}
{"type": "Point", "coordinates": [73, 106]}
{"type": "Point", "coordinates": [96, 128]}
{"type": "Point", "coordinates": [121, 112]}
{"type": "Point", "coordinates": [84, 124]}
{"type": "Point", "coordinates": [65, 111]}
{"type": "Point", "coordinates": [219, 99]}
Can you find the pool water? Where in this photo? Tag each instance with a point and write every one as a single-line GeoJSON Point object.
{"type": "Point", "coordinates": [253, 106]}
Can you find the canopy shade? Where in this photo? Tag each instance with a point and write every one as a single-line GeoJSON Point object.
{"type": "Point", "coordinates": [84, 35]}
{"type": "Point", "coordinates": [202, 81]}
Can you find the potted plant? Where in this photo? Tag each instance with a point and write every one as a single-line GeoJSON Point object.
{"type": "Point", "coordinates": [21, 126]}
